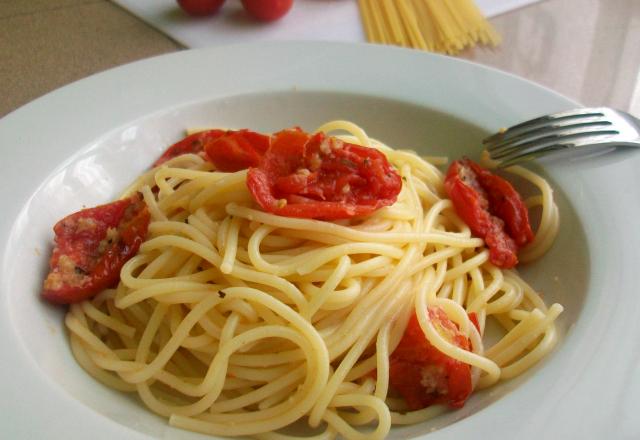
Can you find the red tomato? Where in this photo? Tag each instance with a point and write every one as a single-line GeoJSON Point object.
{"type": "Point", "coordinates": [237, 150]}
{"type": "Point", "coordinates": [91, 246]}
{"type": "Point", "coordinates": [199, 8]}
{"type": "Point", "coordinates": [322, 177]}
{"type": "Point", "coordinates": [473, 317]}
{"type": "Point", "coordinates": [425, 376]}
{"type": "Point", "coordinates": [506, 204]}
{"type": "Point", "coordinates": [486, 202]}
{"type": "Point", "coordinates": [191, 144]}
{"type": "Point", "coordinates": [267, 10]}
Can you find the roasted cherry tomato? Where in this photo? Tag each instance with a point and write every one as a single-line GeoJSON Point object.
{"type": "Point", "coordinates": [422, 374]}
{"type": "Point", "coordinates": [199, 8]}
{"type": "Point", "coordinates": [322, 177]}
{"type": "Point", "coordinates": [267, 10]}
{"type": "Point", "coordinates": [486, 202]}
{"type": "Point", "coordinates": [191, 144]}
{"type": "Point", "coordinates": [91, 246]}
{"type": "Point", "coordinates": [505, 203]}
{"type": "Point", "coordinates": [237, 150]}
{"type": "Point", "coordinates": [473, 317]}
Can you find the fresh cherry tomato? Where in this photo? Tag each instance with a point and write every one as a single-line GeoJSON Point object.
{"type": "Point", "coordinates": [267, 10]}
{"type": "Point", "coordinates": [91, 246]}
{"type": "Point", "coordinates": [237, 150]}
{"type": "Point", "coordinates": [425, 376]}
{"type": "Point", "coordinates": [322, 177]}
{"type": "Point", "coordinates": [486, 202]}
{"type": "Point", "coordinates": [199, 8]}
{"type": "Point", "coordinates": [191, 144]}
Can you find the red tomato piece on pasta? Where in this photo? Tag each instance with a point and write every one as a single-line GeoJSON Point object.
{"type": "Point", "coordinates": [193, 144]}
{"type": "Point", "coordinates": [237, 150]}
{"type": "Point", "coordinates": [492, 209]}
{"type": "Point", "coordinates": [473, 317]}
{"type": "Point", "coordinates": [322, 177]}
{"type": "Point", "coordinates": [425, 376]}
{"type": "Point", "coordinates": [91, 246]}
{"type": "Point", "coordinates": [505, 203]}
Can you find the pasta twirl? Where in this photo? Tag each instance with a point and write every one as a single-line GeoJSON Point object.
{"type": "Point", "coordinates": [232, 321]}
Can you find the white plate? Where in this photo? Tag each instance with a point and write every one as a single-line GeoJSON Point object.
{"type": "Point", "coordinates": [81, 144]}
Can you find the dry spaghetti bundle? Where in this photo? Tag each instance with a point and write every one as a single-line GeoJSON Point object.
{"type": "Point", "coordinates": [446, 26]}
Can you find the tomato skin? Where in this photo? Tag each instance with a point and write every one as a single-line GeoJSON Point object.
{"type": "Point", "coordinates": [472, 202]}
{"type": "Point", "coordinates": [322, 177]}
{"type": "Point", "coordinates": [422, 374]}
{"type": "Point", "coordinates": [200, 8]}
{"type": "Point", "coordinates": [237, 150]}
{"type": "Point", "coordinates": [473, 317]}
{"type": "Point", "coordinates": [505, 203]}
{"type": "Point", "coordinates": [267, 10]}
{"type": "Point", "coordinates": [91, 246]}
{"type": "Point", "coordinates": [193, 144]}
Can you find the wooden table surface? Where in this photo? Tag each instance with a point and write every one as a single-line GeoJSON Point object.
{"type": "Point", "coordinates": [588, 50]}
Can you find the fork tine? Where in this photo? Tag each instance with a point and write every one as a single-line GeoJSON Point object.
{"type": "Point", "coordinates": [559, 128]}
{"type": "Point", "coordinates": [526, 157]}
{"type": "Point", "coordinates": [535, 149]}
{"type": "Point", "coordinates": [568, 116]}
{"type": "Point", "coordinates": [562, 137]}
{"type": "Point", "coordinates": [601, 128]}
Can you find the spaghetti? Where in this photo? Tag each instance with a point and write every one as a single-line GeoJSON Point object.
{"type": "Point", "coordinates": [446, 26]}
{"type": "Point", "coordinates": [233, 321]}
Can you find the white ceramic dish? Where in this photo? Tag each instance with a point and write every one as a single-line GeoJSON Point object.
{"type": "Point", "coordinates": [83, 143]}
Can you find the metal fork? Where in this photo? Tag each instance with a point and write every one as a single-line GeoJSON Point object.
{"type": "Point", "coordinates": [601, 128]}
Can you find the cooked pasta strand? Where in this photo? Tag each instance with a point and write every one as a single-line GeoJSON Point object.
{"type": "Point", "coordinates": [233, 321]}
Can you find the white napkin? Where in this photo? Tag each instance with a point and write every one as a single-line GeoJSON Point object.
{"type": "Point", "coordinates": [337, 20]}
